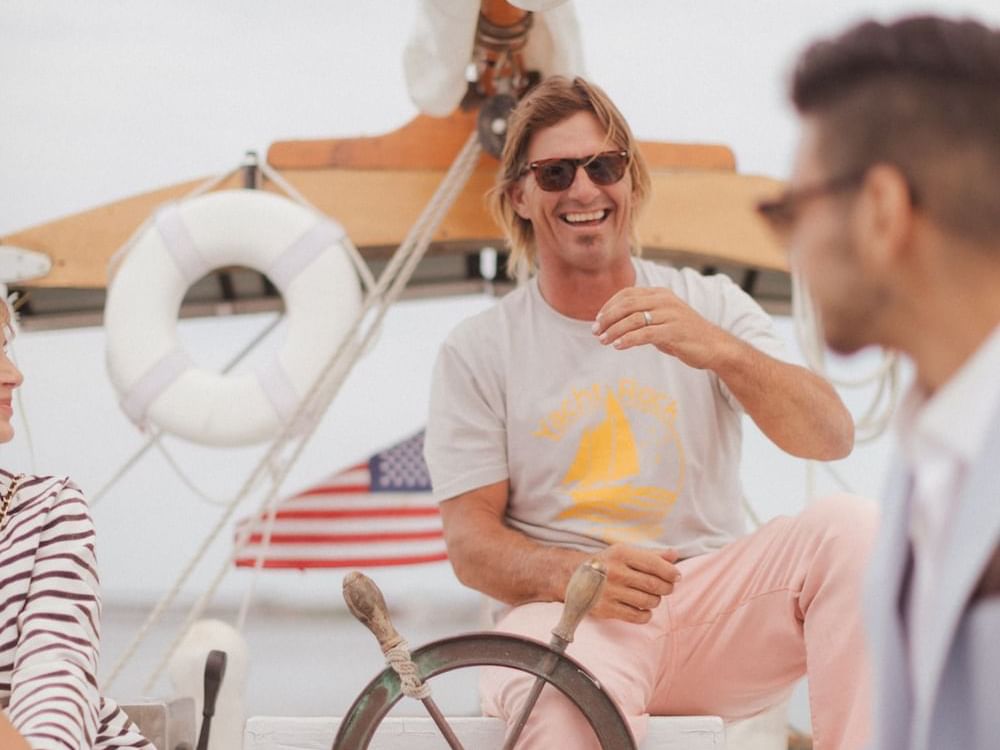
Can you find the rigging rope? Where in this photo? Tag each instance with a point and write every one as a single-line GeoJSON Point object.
{"type": "Point", "coordinates": [885, 377]}
{"type": "Point", "coordinates": [156, 433]}
{"type": "Point", "coordinates": [288, 189]}
{"type": "Point", "coordinates": [876, 416]}
{"type": "Point", "coordinates": [387, 290]}
{"type": "Point", "coordinates": [398, 274]}
{"type": "Point", "coordinates": [362, 333]}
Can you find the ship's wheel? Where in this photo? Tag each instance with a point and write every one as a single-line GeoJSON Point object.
{"type": "Point", "coordinates": [408, 674]}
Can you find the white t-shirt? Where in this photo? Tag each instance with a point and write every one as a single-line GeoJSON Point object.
{"type": "Point", "coordinates": [599, 445]}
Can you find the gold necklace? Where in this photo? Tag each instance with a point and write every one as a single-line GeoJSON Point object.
{"type": "Point", "coordinates": [8, 496]}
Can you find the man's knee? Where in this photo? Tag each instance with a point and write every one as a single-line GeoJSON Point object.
{"type": "Point", "coordinates": [845, 519]}
{"type": "Point", "coordinates": [840, 531]}
{"type": "Point", "coordinates": [554, 718]}
{"type": "Point", "coordinates": [555, 721]}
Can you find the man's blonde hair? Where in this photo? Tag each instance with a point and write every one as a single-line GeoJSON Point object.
{"type": "Point", "coordinates": [549, 103]}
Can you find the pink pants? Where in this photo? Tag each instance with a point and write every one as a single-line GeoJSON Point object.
{"type": "Point", "coordinates": [741, 626]}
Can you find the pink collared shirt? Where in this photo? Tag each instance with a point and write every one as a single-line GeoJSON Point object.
{"type": "Point", "coordinates": [941, 437]}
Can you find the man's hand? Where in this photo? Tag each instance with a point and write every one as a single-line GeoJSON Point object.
{"type": "Point", "coordinates": [637, 580]}
{"type": "Point", "coordinates": [654, 315]}
{"type": "Point", "coordinates": [503, 563]}
{"type": "Point", "coordinates": [798, 410]}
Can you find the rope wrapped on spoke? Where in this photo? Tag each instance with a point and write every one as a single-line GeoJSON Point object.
{"type": "Point", "coordinates": [398, 657]}
{"type": "Point", "coordinates": [368, 605]}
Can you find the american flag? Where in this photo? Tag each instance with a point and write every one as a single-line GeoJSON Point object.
{"type": "Point", "coordinates": [376, 513]}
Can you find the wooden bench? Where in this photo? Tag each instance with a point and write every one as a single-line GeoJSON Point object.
{"type": "Point", "coordinates": [475, 733]}
{"type": "Point", "coordinates": [764, 732]}
{"type": "Point", "coordinates": [168, 724]}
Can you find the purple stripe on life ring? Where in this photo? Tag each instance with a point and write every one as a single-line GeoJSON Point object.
{"type": "Point", "coordinates": [136, 400]}
{"type": "Point", "coordinates": [179, 244]}
{"type": "Point", "coordinates": [303, 251]}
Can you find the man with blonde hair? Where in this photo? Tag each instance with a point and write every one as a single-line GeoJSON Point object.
{"type": "Point", "coordinates": [597, 410]}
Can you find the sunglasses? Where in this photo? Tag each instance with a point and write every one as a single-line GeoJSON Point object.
{"type": "Point", "coordinates": [605, 168]}
{"type": "Point", "coordinates": [783, 213]}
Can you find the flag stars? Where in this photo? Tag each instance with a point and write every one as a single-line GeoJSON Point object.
{"type": "Point", "coordinates": [401, 467]}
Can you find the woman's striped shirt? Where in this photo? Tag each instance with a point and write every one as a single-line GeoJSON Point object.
{"type": "Point", "coordinates": [50, 622]}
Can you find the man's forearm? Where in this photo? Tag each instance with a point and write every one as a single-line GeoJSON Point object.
{"type": "Point", "coordinates": [503, 563]}
{"type": "Point", "coordinates": [797, 410]}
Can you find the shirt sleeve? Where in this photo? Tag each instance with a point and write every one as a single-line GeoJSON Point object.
{"type": "Point", "coordinates": [742, 316]}
{"type": "Point", "coordinates": [466, 442]}
{"type": "Point", "coordinates": [54, 699]}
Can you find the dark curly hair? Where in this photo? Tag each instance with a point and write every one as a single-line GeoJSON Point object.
{"type": "Point", "coordinates": [923, 94]}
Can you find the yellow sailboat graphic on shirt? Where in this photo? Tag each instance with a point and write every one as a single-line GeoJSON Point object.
{"type": "Point", "coordinates": [600, 482]}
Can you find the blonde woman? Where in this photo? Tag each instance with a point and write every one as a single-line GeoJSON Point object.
{"type": "Point", "coordinates": [49, 608]}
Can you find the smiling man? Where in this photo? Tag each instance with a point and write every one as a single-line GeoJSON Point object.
{"type": "Point", "coordinates": [893, 218]}
{"type": "Point", "coordinates": [597, 410]}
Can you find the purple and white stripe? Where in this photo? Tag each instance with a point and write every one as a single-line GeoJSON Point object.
{"type": "Point", "coordinates": [50, 622]}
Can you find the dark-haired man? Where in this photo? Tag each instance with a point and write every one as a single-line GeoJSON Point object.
{"type": "Point", "coordinates": [893, 218]}
{"type": "Point", "coordinates": [597, 410]}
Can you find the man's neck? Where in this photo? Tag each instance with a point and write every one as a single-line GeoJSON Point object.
{"type": "Point", "coordinates": [949, 321]}
{"type": "Point", "coordinates": [581, 294]}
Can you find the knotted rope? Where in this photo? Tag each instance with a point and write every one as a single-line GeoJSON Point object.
{"type": "Point", "coordinates": [398, 657]}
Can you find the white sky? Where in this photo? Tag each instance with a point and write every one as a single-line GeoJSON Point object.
{"type": "Point", "coordinates": [103, 99]}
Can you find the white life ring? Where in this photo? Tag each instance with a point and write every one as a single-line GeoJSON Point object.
{"type": "Point", "coordinates": [300, 251]}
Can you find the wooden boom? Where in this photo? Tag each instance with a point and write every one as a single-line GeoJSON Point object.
{"type": "Point", "coordinates": [377, 186]}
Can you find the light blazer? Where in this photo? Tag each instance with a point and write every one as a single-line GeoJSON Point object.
{"type": "Point", "coordinates": [963, 640]}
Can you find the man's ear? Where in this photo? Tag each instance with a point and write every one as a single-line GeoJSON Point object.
{"type": "Point", "coordinates": [516, 194]}
{"type": "Point", "coordinates": [884, 220]}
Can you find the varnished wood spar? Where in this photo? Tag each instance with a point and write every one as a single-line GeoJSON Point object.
{"type": "Point", "coordinates": [700, 207]}
{"type": "Point", "coordinates": [80, 245]}
{"type": "Point", "coordinates": [693, 213]}
{"type": "Point", "coordinates": [710, 217]}
{"type": "Point", "coordinates": [433, 142]}
{"type": "Point", "coordinates": [703, 215]}
{"type": "Point", "coordinates": [422, 143]}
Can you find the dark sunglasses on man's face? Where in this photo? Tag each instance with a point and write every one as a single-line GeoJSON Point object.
{"type": "Point", "coordinates": [605, 168]}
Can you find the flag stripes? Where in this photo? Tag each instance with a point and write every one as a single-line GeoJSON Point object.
{"type": "Point", "coordinates": [378, 513]}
